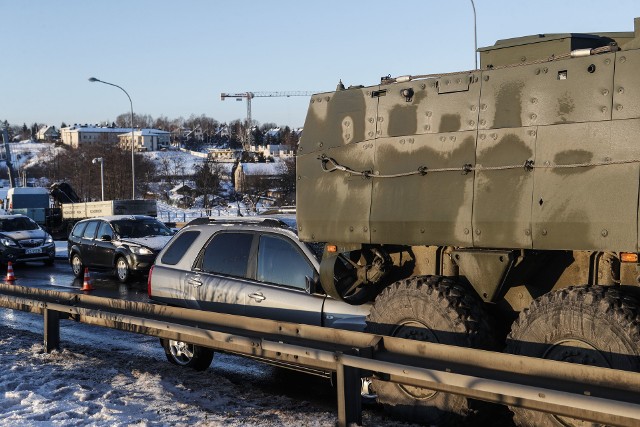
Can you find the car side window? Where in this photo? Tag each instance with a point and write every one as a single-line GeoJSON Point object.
{"type": "Point", "coordinates": [280, 262]}
{"type": "Point", "coordinates": [78, 230]}
{"type": "Point", "coordinates": [105, 230]}
{"type": "Point", "coordinates": [228, 254]}
{"type": "Point", "coordinates": [90, 230]}
{"type": "Point", "coordinates": [179, 247]}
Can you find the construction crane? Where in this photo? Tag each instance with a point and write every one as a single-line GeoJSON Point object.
{"type": "Point", "coordinates": [250, 95]}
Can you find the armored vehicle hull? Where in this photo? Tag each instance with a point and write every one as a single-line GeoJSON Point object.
{"type": "Point", "coordinates": [515, 185]}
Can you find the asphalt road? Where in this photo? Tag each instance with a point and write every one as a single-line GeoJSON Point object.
{"type": "Point", "coordinates": [59, 277]}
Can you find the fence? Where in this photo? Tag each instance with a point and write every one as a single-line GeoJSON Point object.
{"type": "Point", "coordinates": [591, 393]}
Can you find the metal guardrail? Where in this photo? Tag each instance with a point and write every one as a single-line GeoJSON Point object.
{"type": "Point", "coordinates": [595, 394]}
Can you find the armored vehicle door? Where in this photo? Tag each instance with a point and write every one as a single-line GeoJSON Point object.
{"type": "Point", "coordinates": [425, 126]}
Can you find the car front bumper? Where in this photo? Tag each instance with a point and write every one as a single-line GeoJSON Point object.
{"type": "Point", "coordinates": [40, 253]}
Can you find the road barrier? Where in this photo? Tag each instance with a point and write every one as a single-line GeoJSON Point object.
{"type": "Point", "coordinates": [594, 394]}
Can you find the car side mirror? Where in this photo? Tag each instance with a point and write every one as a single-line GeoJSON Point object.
{"type": "Point", "coordinates": [105, 238]}
{"type": "Point", "coordinates": [311, 284]}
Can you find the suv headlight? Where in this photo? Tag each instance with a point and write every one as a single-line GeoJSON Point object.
{"type": "Point", "coordinates": [5, 241]}
{"type": "Point", "coordinates": [48, 240]}
{"type": "Point", "coordinates": [139, 250]}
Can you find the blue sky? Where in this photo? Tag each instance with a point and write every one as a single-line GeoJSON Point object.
{"type": "Point", "coordinates": [175, 57]}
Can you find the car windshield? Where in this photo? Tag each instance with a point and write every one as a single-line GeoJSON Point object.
{"type": "Point", "coordinates": [134, 228]}
{"type": "Point", "coordinates": [17, 224]}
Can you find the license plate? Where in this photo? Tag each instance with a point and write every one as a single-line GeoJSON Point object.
{"type": "Point", "coordinates": [33, 251]}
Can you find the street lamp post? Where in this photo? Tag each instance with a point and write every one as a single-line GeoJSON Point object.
{"type": "Point", "coordinates": [133, 171]}
{"type": "Point", "coordinates": [475, 34]}
{"type": "Point", "coordinates": [101, 160]}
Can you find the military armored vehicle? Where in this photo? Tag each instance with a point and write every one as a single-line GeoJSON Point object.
{"type": "Point", "coordinates": [492, 208]}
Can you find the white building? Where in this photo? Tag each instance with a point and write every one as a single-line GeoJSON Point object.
{"type": "Point", "coordinates": [146, 139]}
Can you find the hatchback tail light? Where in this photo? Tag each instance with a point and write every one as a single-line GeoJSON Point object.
{"type": "Point", "coordinates": [149, 282]}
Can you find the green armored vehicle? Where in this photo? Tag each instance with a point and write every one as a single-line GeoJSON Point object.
{"type": "Point", "coordinates": [486, 208]}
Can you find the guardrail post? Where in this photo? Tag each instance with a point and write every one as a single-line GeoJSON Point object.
{"type": "Point", "coordinates": [51, 330]}
{"type": "Point", "coordinates": [349, 398]}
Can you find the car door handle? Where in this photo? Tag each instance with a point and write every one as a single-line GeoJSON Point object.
{"type": "Point", "coordinates": [194, 281]}
{"type": "Point", "coordinates": [258, 296]}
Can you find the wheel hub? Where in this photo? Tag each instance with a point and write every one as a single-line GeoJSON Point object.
{"type": "Point", "coordinates": [417, 331]}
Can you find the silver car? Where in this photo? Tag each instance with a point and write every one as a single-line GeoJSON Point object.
{"type": "Point", "coordinates": [250, 267]}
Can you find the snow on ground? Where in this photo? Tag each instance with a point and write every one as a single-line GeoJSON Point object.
{"type": "Point", "coordinates": [104, 377]}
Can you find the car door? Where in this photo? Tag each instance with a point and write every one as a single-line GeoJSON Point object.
{"type": "Point", "coordinates": [87, 243]}
{"type": "Point", "coordinates": [282, 272]}
{"type": "Point", "coordinates": [104, 249]}
{"type": "Point", "coordinates": [218, 280]}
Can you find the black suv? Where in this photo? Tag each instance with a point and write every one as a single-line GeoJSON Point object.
{"type": "Point", "coordinates": [21, 239]}
{"type": "Point", "coordinates": [125, 244]}
{"type": "Point", "coordinates": [251, 267]}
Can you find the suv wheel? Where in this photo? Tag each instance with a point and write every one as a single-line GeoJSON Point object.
{"type": "Point", "coordinates": [76, 265]}
{"type": "Point", "coordinates": [188, 355]}
{"type": "Point", "coordinates": [122, 270]}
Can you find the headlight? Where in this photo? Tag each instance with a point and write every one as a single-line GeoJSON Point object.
{"type": "Point", "coordinates": [138, 250]}
{"type": "Point", "coordinates": [49, 239]}
{"type": "Point", "coordinates": [8, 242]}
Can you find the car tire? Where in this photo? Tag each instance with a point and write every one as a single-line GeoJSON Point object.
{"type": "Point", "coordinates": [76, 265]}
{"type": "Point", "coordinates": [187, 355]}
{"type": "Point", "coordinates": [123, 273]}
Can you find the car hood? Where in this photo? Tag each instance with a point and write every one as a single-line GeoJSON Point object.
{"type": "Point", "coordinates": [152, 242]}
{"type": "Point", "coordinates": [24, 234]}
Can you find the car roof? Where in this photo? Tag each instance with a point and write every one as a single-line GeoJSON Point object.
{"type": "Point", "coordinates": [13, 216]}
{"type": "Point", "coordinates": [110, 218]}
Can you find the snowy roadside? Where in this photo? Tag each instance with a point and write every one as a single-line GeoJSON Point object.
{"type": "Point", "coordinates": [104, 377]}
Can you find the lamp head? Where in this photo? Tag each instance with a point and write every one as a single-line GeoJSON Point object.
{"type": "Point", "coordinates": [93, 79]}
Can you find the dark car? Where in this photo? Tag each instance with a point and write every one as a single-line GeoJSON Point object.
{"type": "Point", "coordinates": [21, 239]}
{"type": "Point", "coordinates": [126, 244]}
{"type": "Point", "coordinates": [251, 267]}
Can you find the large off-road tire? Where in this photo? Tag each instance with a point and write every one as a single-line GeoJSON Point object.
{"type": "Point", "coordinates": [591, 325]}
{"type": "Point", "coordinates": [433, 309]}
{"type": "Point", "coordinates": [187, 355]}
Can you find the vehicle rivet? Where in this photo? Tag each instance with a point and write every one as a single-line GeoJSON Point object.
{"type": "Point", "coordinates": [443, 139]}
{"type": "Point", "coordinates": [346, 123]}
{"type": "Point", "coordinates": [427, 127]}
{"type": "Point", "coordinates": [620, 90]}
{"type": "Point", "coordinates": [319, 99]}
{"type": "Point", "coordinates": [466, 231]}
{"type": "Point", "coordinates": [527, 232]}
{"type": "Point", "coordinates": [348, 136]}
{"type": "Point", "coordinates": [381, 119]}
{"type": "Point", "coordinates": [350, 228]}
{"type": "Point", "coordinates": [494, 136]}
{"type": "Point", "coordinates": [483, 122]}
{"type": "Point", "coordinates": [428, 113]}
{"type": "Point", "coordinates": [623, 59]}
{"type": "Point", "coordinates": [299, 177]}
{"type": "Point", "coordinates": [446, 82]}
{"type": "Point", "coordinates": [482, 136]}
{"type": "Point", "coordinates": [370, 133]}
{"type": "Point", "coordinates": [410, 140]}
{"type": "Point", "coordinates": [458, 81]}
{"type": "Point", "coordinates": [365, 229]}
{"type": "Point", "coordinates": [402, 141]}
{"type": "Point", "coordinates": [545, 70]}
{"type": "Point", "coordinates": [534, 116]}
{"type": "Point", "coordinates": [607, 159]}
{"type": "Point", "coordinates": [537, 71]}
{"type": "Point", "coordinates": [300, 228]}
{"type": "Point", "coordinates": [312, 101]}
{"type": "Point", "coordinates": [607, 61]}
{"type": "Point", "coordinates": [313, 236]}
{"type": "Point", "coordinates": [473, 108]}
{"type": "Point", "coordinates": [373, 230]}
{"type": "Point", "coordinates": [544, 232]}
{"type": "Point", "coordinates": [534, 100]}
{"type": "Point", "coordinates": [486, 78]}
{"type": "Point", "coordinates": [327, 98]}
{"type": "Point", "coordinates": [368, 93]}
{"type": "Point", "coordinates": [478, 232]}
{"type": "Point", "coordinates": [604, 109]}
{"type": "Point", "coordinates": [320, 144]}
{"type": "Point", "coordinates": [422, 230]}
{"type": "Point", "coordinates": [605, 92]}
{"type": "Point", "coordinates": [532, 132]}
{"type": "Point", "coordinates": [619, 107]}
{"type": "Point", "coordinates": [604, 233]}
{"type": "Point", "coordinates": [423, 86]}
{"type": "Point", "coordinates": [379, 132]}
{"type": "Point", "coordinates": [483, 107]}
{"type": "Point", "coordinates": [452, 138]}
{"type": "Point", "coordinates": [547, 163]}
{"type": "Point", "coordinates": [471, 123]}
{"type": "Point", "coordinates": [371, 119]}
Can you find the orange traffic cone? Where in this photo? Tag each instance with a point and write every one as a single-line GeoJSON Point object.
{"type": "Point", "coordinates": [86, 286]}
{"type": "Point", "coordinates": [10, 276]}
